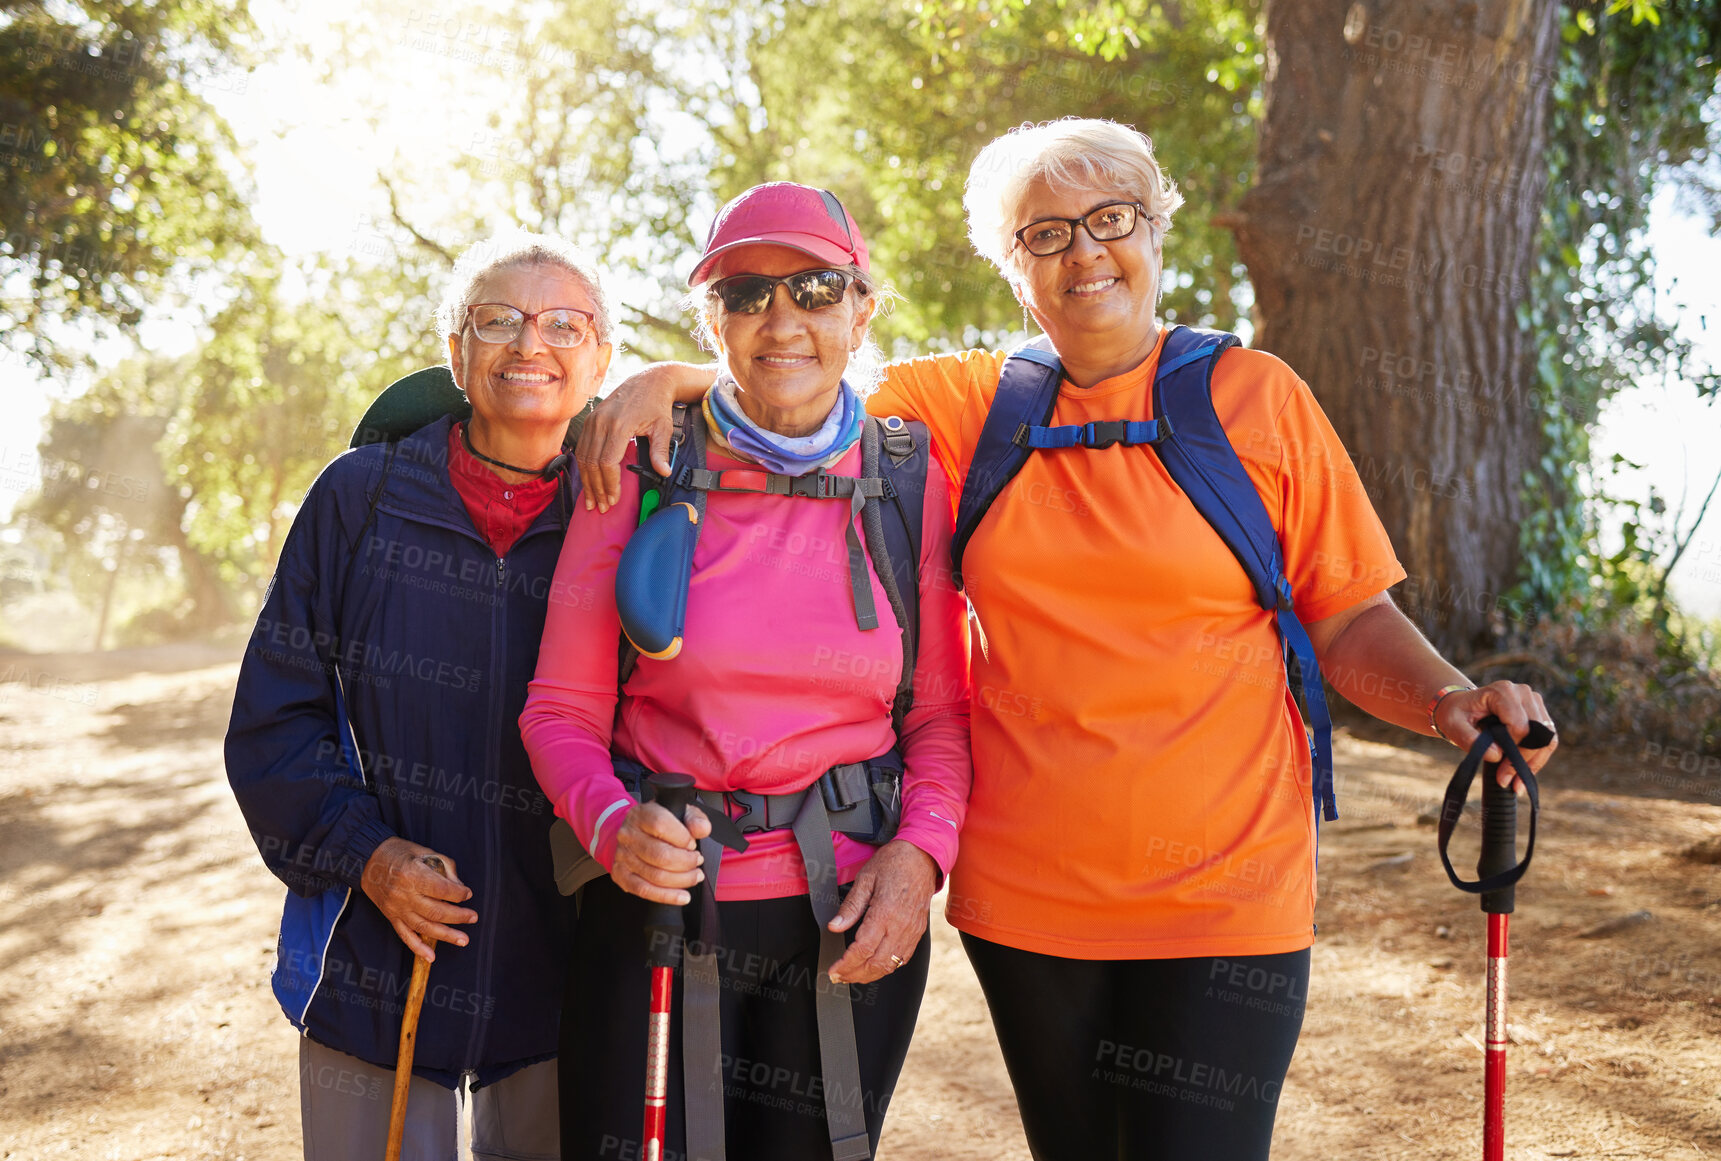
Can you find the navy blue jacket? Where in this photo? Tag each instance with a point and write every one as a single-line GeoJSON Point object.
{"type": "Point", "coordinates": [380, 695]}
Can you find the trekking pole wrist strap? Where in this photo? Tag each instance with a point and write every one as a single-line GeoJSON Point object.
{"type": "Point", "coordinates": [1493, 733]}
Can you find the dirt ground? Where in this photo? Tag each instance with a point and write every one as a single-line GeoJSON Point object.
{"type": "Point", "coordinates": [137, 926]}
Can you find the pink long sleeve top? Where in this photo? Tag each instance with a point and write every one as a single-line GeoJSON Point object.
{"type": "Point", "coordinates": [774, 683]}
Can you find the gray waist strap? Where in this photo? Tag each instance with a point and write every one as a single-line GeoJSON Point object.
{"type": "Point", "coordinates": [847, 792]}
{"type": "Point", "coordinates": [701, 1031]}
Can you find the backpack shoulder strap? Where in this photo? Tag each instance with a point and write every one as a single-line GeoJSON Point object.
{"type": "Point", "coordinates": [1027, 394]}
{"type": "Point", "coordinates": [655, 489]}
{"type": "Point", "coordinates": [894, 544]}
{"type": "Point", "coordinates": [1200, 459]}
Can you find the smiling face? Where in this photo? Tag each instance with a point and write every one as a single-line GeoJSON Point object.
{"type": "Point", "coordinates": [526, 382]}
{"type": "Point", "coordinates": [1096, 300]}
{"type": "Point", "coordinates": [789, 362]}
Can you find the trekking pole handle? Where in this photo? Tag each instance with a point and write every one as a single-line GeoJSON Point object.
{"type": "Point", "coordinates": [1498, 868]}
{"type": "Point", "coordinates": [1499, 840]}
{"type": "Point", "coordinates": [663, 923]}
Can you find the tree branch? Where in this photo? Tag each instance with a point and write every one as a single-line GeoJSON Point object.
{"type": "Point", "coordinates": [399, 218]}
{"type": "Point", "coordinates": [646, 318]}
{"type": "Point", "coordinates": [1680, 544]}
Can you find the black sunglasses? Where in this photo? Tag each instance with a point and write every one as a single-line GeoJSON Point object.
{"type": "Point", "coordinates": [810, 290]}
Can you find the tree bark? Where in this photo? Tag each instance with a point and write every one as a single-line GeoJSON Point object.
{"type": "Point", "coordinates": [1390, 237]}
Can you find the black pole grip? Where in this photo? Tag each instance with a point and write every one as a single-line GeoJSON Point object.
{"type": "Point", "coordinates": [1499, 839]}
{"type": "Point", "coordinates": [663, 925]}
{"type": "Point", "coordinates": [1499, 865]}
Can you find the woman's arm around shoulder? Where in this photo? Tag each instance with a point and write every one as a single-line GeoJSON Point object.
{"type": "Point", "coordinates": [949, 393]}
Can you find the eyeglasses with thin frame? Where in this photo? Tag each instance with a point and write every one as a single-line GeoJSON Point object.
{"type": "Point", "coordinates": [561, 326]}
{"type": "Point", "coordinates": [1107, 223]}
{"type": "Point", "coordinates": [809, 290]}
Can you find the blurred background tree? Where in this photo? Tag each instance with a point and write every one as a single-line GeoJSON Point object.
{"type": "Point", "coordinates": [110, 508]}
{"type": "Point", "coordinates": [118, 181]}
{"type": "Point", "coordinates": [205, 456]}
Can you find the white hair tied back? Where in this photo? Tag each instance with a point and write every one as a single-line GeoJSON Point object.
{"type": "Point", "coordinates": [506, 251]}
{"type": "Point", "coordinates": [1086, 153]}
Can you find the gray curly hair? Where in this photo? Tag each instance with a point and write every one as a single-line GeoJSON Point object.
{"type": "Point", "coordinates": [520, 248]}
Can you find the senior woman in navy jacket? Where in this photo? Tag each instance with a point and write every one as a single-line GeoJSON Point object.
{"type": "Point", "coordinates": [375, 725]}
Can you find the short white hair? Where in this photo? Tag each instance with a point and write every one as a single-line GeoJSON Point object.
{"type": "Point", "coordinates": [520, 248]}
{"type": "Point", "coordinates": [1080, 152]}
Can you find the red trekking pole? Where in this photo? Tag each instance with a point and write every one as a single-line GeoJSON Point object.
{"type": "Point", "coordinates": [1498, 870]}
{"type": "Point", "coordinates": [663, 928]}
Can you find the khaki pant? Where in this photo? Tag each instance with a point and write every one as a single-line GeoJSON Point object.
{"type": "Point", "coordinates": [344, 1105]}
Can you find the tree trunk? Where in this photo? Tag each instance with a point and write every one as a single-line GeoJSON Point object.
{"type": "Point", "coordinates": [106, 612]}
{"type": "Point", "coordinates": [1390, 237]}
{"type": "Point", "coordinates": [210, 597]}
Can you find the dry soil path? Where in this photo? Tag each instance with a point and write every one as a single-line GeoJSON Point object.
{"type": "Point", "coordinates": [137, 926]}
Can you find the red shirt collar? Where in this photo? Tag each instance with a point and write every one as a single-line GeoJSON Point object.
{"type": "Point", "coordinates": [501, 510]}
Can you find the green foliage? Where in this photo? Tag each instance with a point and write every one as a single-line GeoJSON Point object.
{"type": "Point", "coordinates": [908, 93]}
{"type": "Point", "coordinates": [114, 175]}
{"type": "Point", "coordinates": [595, 133]}
{"type": "Point", "coordinates": [298, 373]}
{"type": "Point", "coordinates": [1627, 108]}
{"type": "Point", "coordinates": [624, 125]}
{"type": "Point", "coordinates": [208, 456]}
{"type": "Point", "coordinates": [107, 506]}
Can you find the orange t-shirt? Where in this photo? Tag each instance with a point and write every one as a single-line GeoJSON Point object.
{"type": "Point", "coordinates": [1141, 773]}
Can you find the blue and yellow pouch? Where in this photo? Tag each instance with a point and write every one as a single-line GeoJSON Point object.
{"type": "Point", "coordinates": [652, 579]}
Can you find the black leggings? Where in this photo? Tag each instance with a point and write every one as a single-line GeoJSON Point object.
{"type": "Point", "coordinates": [773, 1102]}
{"type": "Point", "coordinates": [1144, 1059]}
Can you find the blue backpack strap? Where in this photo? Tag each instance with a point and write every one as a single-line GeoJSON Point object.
{"type": "Point", "coordinates": [1027, 394]}
{"type": "Point", "coordinates": [904, 462]}
{"type": "Point", "coordinates": [1101, 434]}
{"type": "Point", "coordinates": [1203, 463]}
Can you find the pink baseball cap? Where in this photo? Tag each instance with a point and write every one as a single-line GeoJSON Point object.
{"type": "Point", "coordinates": [784, 213]}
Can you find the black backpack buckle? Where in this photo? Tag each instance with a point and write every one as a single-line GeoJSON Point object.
{"type": "Point", "coordinates": [1106, 433]}
{"type": "Point", "coordinates": [813, 487]}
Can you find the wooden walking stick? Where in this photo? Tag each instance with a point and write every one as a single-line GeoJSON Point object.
{"type": "Point", "coordinates": [409, 1036]}
{"type": "Point", "coordinates": [1497, 873]}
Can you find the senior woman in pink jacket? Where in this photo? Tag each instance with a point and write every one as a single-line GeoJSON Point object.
{"type": "Point", "coordinates": [780, 694]}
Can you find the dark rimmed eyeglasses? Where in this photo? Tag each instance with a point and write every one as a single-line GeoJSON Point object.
{"type": "Point", "coordinates": [562, 326]}
{"type": "Point", "coordinates": [809, 290]}
{"type": "Point", "coordinates": [1105, 223]}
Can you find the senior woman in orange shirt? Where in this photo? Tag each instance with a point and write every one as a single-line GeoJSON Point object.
{"type": "Point", "coordinates": [1136, 889]}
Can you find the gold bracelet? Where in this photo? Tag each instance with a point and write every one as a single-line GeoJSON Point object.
{"type": "Point", "coordinates": [1441, 695]}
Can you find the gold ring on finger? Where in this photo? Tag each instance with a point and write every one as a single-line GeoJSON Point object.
{"type": "Point", "coordinates": [896, 961]}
